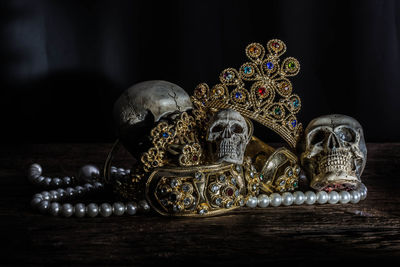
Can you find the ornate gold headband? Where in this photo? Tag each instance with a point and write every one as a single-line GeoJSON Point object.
{"type": "Point", "coordinates": [259, 90]}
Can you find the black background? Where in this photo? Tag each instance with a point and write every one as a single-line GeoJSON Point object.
{"type": "Point", "coordinates": [63, 63]}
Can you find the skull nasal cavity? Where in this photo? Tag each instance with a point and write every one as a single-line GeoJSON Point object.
{"type": "Point", "coordinates": [333, 141]}
{"type": "Point", "coordinates": [227, 133]}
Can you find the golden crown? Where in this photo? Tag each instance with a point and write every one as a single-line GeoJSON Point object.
{"type": "Point", "coordinates": [259, 90]}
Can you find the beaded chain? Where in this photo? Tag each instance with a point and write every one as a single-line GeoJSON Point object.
{"type": "Point", "coordinates": [49, 201]}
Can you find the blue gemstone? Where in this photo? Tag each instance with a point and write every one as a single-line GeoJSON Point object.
{"type": "Point", "coordinates": [270, 65]}
{"type": "Point", "coordinates": [296, 103]}
{"type": "Point", "coordinates": [247, 70]}
{"type": "Point", "coordinates": [238, 95]}
{"type": "Point", "coordinates": [294, 123]}
{"type": "Point", "coordinates": [165, 135]}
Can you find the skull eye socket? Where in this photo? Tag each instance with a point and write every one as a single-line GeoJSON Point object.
{"type": "Point", "coordinates": [317, 137]}
{"type": "Point", "coordinates": [217, 128]}
{"type": "Point", "coordinates": [236, 128]}
{"type": "Point", "coordinates": [346, 134]}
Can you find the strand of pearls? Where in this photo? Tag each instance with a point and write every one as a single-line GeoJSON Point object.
{"type": "Point", "coordinates": [309, 198]}
{"type": "Point", "coordinates": [48, 201]}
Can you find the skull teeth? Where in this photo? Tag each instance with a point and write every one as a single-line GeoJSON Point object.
{"type": "Point", "coordinates": [335, 161]}
{"type": "Point", "coordinates": [227, 147]}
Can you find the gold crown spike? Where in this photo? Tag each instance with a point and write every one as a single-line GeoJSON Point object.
{"type": "Point", "coordinates": [259, 90]}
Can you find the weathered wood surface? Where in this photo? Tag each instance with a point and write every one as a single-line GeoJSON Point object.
{"type": "Point", "coordinates": [332, 234]}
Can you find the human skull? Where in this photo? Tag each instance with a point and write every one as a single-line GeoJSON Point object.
{"type": "Point", "coordinates": [141, 106]}
{"type": "Point", "coordinates": [334, 152]}
{"type": "Point", "coordinates": [228, 130]}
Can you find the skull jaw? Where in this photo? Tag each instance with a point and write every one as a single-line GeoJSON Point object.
{"type": "Point", "coordinates": [230, 158]}
{"type": "Point", "coordinates": [336, 180]}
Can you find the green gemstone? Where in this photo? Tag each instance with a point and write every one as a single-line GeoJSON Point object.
{"type": "Point", "coordinates": [278, 111]}
{"type": "Point", "coordinates": [291, 65]}
{"type": "Point", "coordinates": [295, 184]}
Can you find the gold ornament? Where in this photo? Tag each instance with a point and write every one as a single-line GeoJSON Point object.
{"type": "Point", "coordinates": [259, 90]}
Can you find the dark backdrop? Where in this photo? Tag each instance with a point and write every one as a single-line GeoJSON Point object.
{"type": "Point", "coordinates": [63, 63]}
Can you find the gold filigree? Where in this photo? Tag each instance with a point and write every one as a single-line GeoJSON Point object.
{"type": "Point", "coordinates": [259, 90]}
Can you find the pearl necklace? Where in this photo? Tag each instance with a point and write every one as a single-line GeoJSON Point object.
{"type": "Point", "coordinates": [48, 201]}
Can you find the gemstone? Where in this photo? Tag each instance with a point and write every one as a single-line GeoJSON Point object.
{"type": "Point", "coordinates": [214, 188]}
{"type": "Point", "coordinates": [238, 95]}
{"type": "Point", "coordinates": [254, 187]}
{"type": "Point", "coordinates": [237, 193]}
{"type": "Point", "coordinates": [155, 163]}
{"type": "Point", "coordinates": [290, 173]}
{"type": "Point", "coordinates": [165, 135]}
{"type": "Point", "coordinates": [164, 191]}
{"type": "Point", "coordinates": [296, 103]}
{"type": "Point", "coordinates": [218, 201]}
{"type": "Point", "coordinates": [238, 168]}
{"type": "Point", "coordinates": [270, 65]}
{"type": "Point", "coordinates": [241, 202]}
{"type": "Point", "coordinates": [203, 211]}
{"type": "Point", "coordinates": [247, 70]}
{"type": "Point", "coordinates": [195, 158]}
{"type": "Point", "coordinates": [229, 204]}
{"type": "Point", "coordinates": [252, 174]}
{"type": "Point", "coordinates": [222, 178]}
{"type": "Point", "coordinates": [261, 177]}
{"type": "Point", "coordinates": [187, 201]}
{"type": "Point", "coordinates": [295, 184]}
{"type": "Point", "coordinates": [282, 183]}
{"type": "Point", "coordinates": [276, 45]}
{"type": "Point", "coordinates": [198, 176]}
{"type": "Point", "coordinates": [262, 90]}
{"type": "Point", "coordinates": [186, 188]}
{"type": "Point", "coordinates": [294, 123]}
{"type": "Point", "coordinates": [253, 50]}
{"type": "Point", "coordinates": [164, 202]}
{"type": "Point", "coordinates": [233, 181]}
{"type": "Point", "coordinates": [297, 170]}
{"type": "Point", "coordinates": [174, 183]}
{"type": "Point", "coordinates": [292, 65]}
{"type": "Point", "coordinates": [176, 208]}
{"type": "Point", "coordinates": [278, 111]}
{"type": "Point", "coordinates": [284, 86]}
{"type": "Point", "coordinates": [228, 75]}
{"type": "Point", "coordinates": [229, 192]}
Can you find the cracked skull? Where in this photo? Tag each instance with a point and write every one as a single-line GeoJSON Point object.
{"type": "Point", "coordinates": [141, 106]}
{"type": "Point", "coordinates": [334, 152]}
{"type": "Point", "coordinates": [229, 132]}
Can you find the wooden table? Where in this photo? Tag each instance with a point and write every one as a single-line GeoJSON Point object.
{"type": "Point", "coordinates": [330, 234]}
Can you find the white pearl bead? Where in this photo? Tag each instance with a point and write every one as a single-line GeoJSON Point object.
{"type": "Point", "coordinates": [363, 192]}
{"type": "Point", "coordinates": [322, 197]}
{"type": "Point", "coordinates": [333, 197]}
{"type": "Point", "coordinates": [252, 202]}
{"type": "Point", "coordinates": [344, 197]}
{"type": "Point", "coordinates": [355, 197]}
{"type": "Point", "coordinates": [275, 199]}
{"type": "Point", "coordinates": [310, 197]}
{"type": "Point", "coordinates": [35, 170]}
{"type": "Point", "coordinates": [287, 199]}
{"type": "Point", "coordinates": [88, 172]}
{"type": "Point", "coordinates": [299, 197]}
{"type": "Point", "coordinates": [263, 201]}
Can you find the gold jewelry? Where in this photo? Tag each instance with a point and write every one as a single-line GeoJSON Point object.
{"type": "Point", "coordinates": [280, 172]}
{"type": "Point", "coordinates": [259, 90]}
{"type": "Point", "coordinates": [201, 190]}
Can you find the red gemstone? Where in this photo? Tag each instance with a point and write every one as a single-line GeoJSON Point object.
{"type": "Point", "coordinates": [195, 158]}
{"type": "Point", "coordinates": [229, 192]}
{"type": "Point", "coordinates": [276, 45]}
{"type": "Point", "coordinates": [262, 91]}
